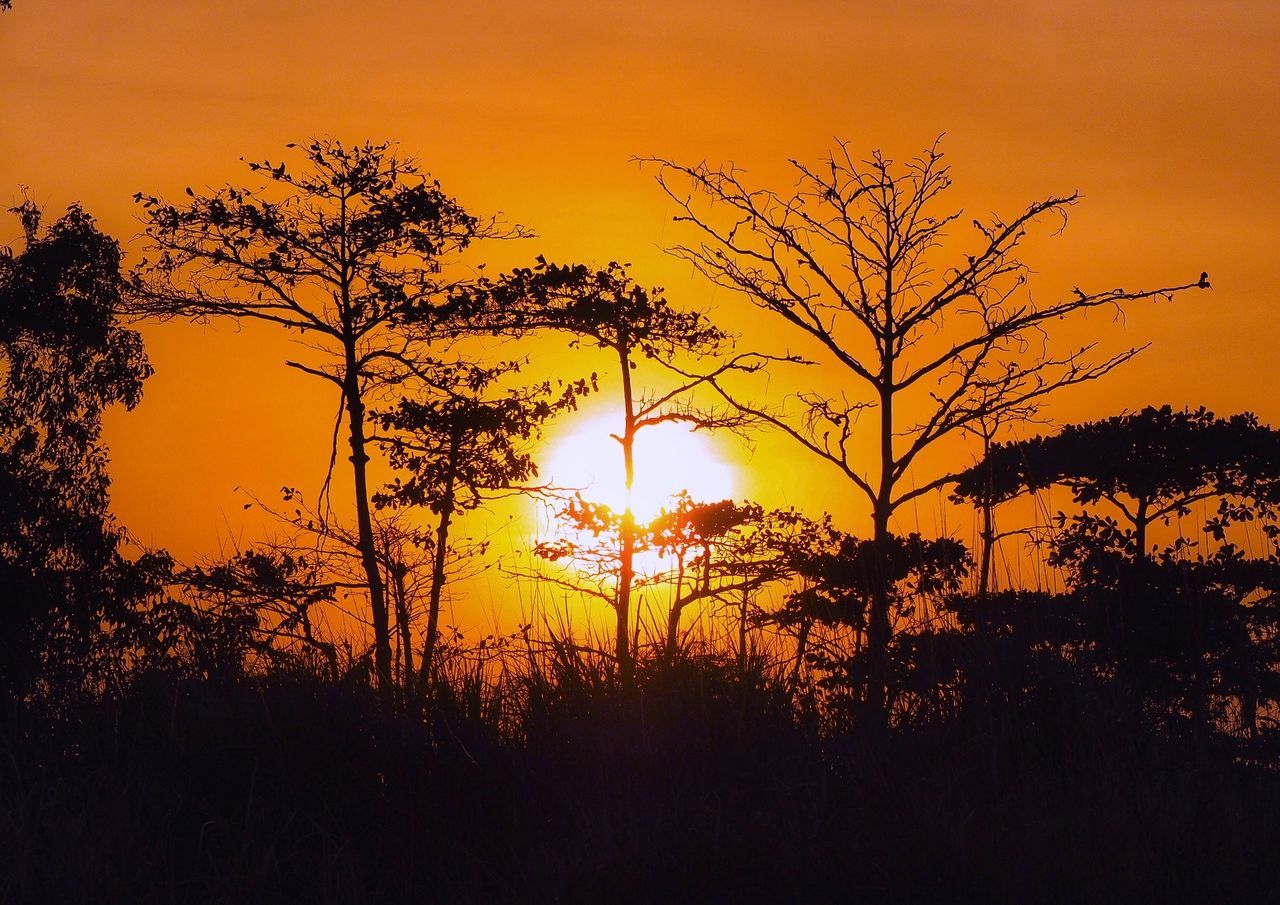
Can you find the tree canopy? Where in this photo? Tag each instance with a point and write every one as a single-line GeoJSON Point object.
{"type": "Point", "coordinates": [65, 358]}
{"type": "Point", "coordinates": [340, 249]}
{"type": "Point", "coordinates": [1149, 465]}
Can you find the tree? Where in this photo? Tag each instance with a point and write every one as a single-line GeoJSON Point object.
{"type": "Point", "coordinates": [463, 444]}
{"type": "Point", "coordinates": [842, 576]}
{"type": "Point", "coordinates": [853, 261]}
{"type": "Point", "coordinates": [1149, 466]}
{"type": "Point", "coordinates": [723, 551]}
{"type": "Point", "coordinates": [1180, 620]}
{"type": "Point", "coordinates": [631, 323]}
{"type": "Point", "coordinates": [254, 604]}
{"type": "Point", "coordinates": [316, 559]}
{"type": "Point", "coordinates": [339, 251]}
{"type": "Point", "coordinates": [985, 429]}
{"type": "Point", "coordinates": [64, 358]}
{"type": "Point", "coordinates": [592, 540]}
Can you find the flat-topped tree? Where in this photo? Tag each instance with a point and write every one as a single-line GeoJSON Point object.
{"type": "Point", "coordinates": [337, 249]}
{"type": "Point", "coordinates": [633, 324]}
{"type": "Point", "coordinates": [853, 260]}
{"type": "Point", "coordinates": [463, 441]}
{"type": "Point", "coordinates": [1187, 621]}
{"type": "Point", "coordinates": [1149, 466]}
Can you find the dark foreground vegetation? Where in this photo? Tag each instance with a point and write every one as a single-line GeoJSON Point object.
{"type": "Point", "coordinates": [878, 717]}
{"type": "Point", "coordinates": [694, 787]}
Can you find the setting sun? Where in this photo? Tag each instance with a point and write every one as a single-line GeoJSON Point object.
{"type": "Point", "coordinates": [670, 458]}
{"type": "Point", "coordinates": [527, 451]}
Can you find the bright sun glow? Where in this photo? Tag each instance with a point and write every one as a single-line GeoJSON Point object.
{"type": "Point", "coordinates": [669, 458]}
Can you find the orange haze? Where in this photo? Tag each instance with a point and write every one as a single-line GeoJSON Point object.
{"type": "Point", "coordinates": [1166, 115]}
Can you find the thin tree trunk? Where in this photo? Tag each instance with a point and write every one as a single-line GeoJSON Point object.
{"type": "Point", "coordinates": [701, 589]}
{"type": "Point", "coordinates": [988, 539]}
{"type": "Point", "coordinates": [802, 646]}
{"type": "Point", "coordinates": [364, 525]}
{"type": "Point", "coordinates": [1140, 532]}
{"type": "Point", "coordinates": [626, 665]}
{"type": "Point", "coordinates": [879, 628]}
{"type": "Point", "coordinates": [438, 567]}
{"type": "Point", "coordinates": [673, 614]}
{"type": "Point", "coordinates": [673, 632]}
{"type": "Point", "coordinates": [406, 634]}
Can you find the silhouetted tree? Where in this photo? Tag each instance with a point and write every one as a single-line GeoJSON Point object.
{"type": "Point", "coordinates": [1179, 622]}
{"type": "Point", "coordinates": [256, 604]}
{"type": "Point", "coordinates": [1150, 466]}
{"type": "Point", "coordinates": [64, 358]}
{"type": "Point", "coordinates": [853, 260]}
{"type": "Point", "coordinates": [338, 251]}
{"type": "Point", "coordinates": [986, 429]}
{"type": "Point", "coordinates": [465, 442]}
{"type": "Point", "coordinates": [842, 577]}
{"type": "Point", "coordinates": [592, 540]}
{"type": "Point", "coordinates": [723, 551]}
{"type": "Point", "coordinates": [608, 308]}
{"type": "Point", "coordinates": [285, 585]}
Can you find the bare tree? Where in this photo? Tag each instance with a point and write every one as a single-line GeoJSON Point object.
{"type": "Point", "coordinates": [338, 251]}
{"type": "Point", "coordinates": [854, 260]}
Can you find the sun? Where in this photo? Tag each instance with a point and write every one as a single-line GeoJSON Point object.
{"type": "Point", "coordinates": [669, 459]}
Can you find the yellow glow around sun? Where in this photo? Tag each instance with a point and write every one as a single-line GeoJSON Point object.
{"type": "Point", "coordinates": [669, 458]}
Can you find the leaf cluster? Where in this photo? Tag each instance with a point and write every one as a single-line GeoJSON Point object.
{"type": "Point", "coordinates": [605, 305]}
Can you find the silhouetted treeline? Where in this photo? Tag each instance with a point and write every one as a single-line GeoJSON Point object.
{"type": "Point", "coordinates": [880, 718]}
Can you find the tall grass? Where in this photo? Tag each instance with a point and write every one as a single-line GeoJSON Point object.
{"type": "Point", "coordinates": [532, 777]}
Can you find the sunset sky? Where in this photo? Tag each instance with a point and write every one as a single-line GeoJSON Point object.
{"type": "Point", "coordinates": [1165, 115]}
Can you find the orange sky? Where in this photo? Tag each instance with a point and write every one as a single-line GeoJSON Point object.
{"type": "Point", "coordinates": [1166, 115]}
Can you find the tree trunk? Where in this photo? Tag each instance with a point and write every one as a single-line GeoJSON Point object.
{"type": "Point", "coordinates": [701, 590]}
{"type": "Point", "coordinates": [802, 647]}
{"type": "Point", "coordinates": [364, 525]}
{"type": "Point", "coordinates": [879, 628]}
{"type": "Point", "coordinates": [1249, 712]}
{"type": "Point", "coordinates": [438, 568]}
{"type": "Point", "coordinates": [672, 646]}
{"type": "Point", "coordinates": [406, 634]}
{"type": "Point", "coordinates": [987, 539]}
{"type": "Point", "coordinates": [622, 606]}
{"type": "Point", "coordinates": [1140, 532]}
{"type": "Point", "coordinates": [988, 536]}
{"type": "Point", "coordinates": [673, 615]}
